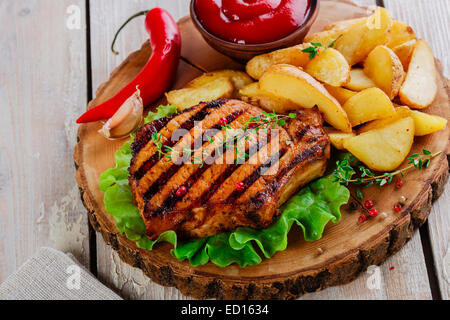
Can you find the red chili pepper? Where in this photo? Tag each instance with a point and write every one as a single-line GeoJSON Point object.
{"type": "Point", "coordinates": [156, 76]}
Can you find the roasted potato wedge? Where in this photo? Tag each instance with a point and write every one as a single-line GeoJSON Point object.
{"type": "Point", "coordinates": [341, 94]}
{"type": "Point", "coordinates": [344, 24]}
{"type": "Point", "coordinates": [291, 83]}
{"type": "Point", "coordinates": [239, 79]}
{"type": "Point", "coordinates": [359, 81]}
{"type": "Point", "coordinates": [420, 86]}
{"type": "Point", "coordinates": [404, 52]}
{"type": "Point", "coordinates": [427, 123]}
{"type": "Point", "coordinates": [327, 37]}
{"type": "Point", "coordinates": [212, 90]}
{"type": "Point", "coordinates": [424, 123]}
{"type": "Point", "coordinates": [358, 39]}
{"type": "Point", "coordinates": [330, 67]}
{"type": "Point", "coordinates": [399, 33]}
{"type": "Point", "coordinates": [386, 148]}
{"type": "Point", "coordinates": [292, 55]}
{"type": "Point", "coordinates": [369, 104]}
{"type": "Point", "coordinates": [337, 137]}
{"type": "Point", "coordinates": [385, 69]}
{"type": "Point", "coordinates": [400, 112]}
{"type": "Point", "coordinates": [331, 32]}
{"type": "Point", "coordinates": [254, 95]}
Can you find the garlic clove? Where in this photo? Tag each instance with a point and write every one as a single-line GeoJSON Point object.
{"type": "Point", "coordinates": [126, 120]}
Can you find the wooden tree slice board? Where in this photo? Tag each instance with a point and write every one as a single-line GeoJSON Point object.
{"type": "Point", "coordinates": [347, 248]}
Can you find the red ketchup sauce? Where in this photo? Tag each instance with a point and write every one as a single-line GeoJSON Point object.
{"type": "Point", "coordinates": [251, 21]}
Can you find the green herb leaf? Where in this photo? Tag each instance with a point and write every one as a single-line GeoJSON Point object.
{"type": "Point", "coordinates": [359, 193]}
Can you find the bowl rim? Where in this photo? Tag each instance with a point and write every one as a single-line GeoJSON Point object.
{"type": "Point", "coordinates": [311, 16]}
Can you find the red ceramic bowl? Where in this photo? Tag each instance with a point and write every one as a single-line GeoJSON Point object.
{"type": "Point", "coordinates": [244, 52]}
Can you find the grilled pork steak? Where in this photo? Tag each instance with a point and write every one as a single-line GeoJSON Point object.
{"type": "Point", "coordinates": [218, 194]}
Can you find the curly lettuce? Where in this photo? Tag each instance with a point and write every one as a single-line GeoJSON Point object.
{"type": "Point", "coordinates": [312, 208]}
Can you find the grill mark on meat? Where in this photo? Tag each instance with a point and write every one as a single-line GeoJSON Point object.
{"type": "Point", "coordinates": [309, 134]}
{"type": "Point", "coordinates": [145, 134]}
{"type": "Point", "coordinates": [255, 217]}
{"type": "Point", "coordinates": [216, 103]}
{"type": "Point", "coordinates": [171, 201]}
{"type": "Point", "coordinates": [187, 125]}
{"type": "Point", "coordinates": [299, 134]}
{"type": "Point", "coordinates": [230, 170]}
{"type": "Point", "coordinates": [260, 198]}
{"type": "Point", "coordinates": [256, 174]}
{"type": "Point", "coordinates": [208, 208]}
{"type": "Point", "coordinates": [173, 169]}
{"type": "Point", "coordinates": [309, 153]}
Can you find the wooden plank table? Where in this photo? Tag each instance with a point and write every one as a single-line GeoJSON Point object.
{"type": "Point", "coordinates": [54, 56]}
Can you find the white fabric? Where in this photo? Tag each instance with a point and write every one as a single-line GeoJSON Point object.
{"type": "Point", "coordinates": [53, 275]}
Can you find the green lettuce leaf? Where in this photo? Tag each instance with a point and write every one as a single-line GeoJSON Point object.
{"type": "Point", "coordinates": [311, 209]}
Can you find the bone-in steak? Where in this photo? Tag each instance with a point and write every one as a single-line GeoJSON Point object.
{"type": "Point", "coordinates": [219, 193]}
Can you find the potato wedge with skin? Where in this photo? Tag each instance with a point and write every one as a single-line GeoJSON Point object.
{"type": "Point", "coordinates": [357, 40]}
{"type": "Point", "coordinates": [254, 95]}
{"type": "Point", "coordinates": [385, 69]}
{"type": "Point", "coordinates": [369, 104]}
{"type": "Point", "coordinates": [330, 67]}
{"type": "Point", "coordinates": [291, 83]}
{"type": "Point", "coordinates": [337, 137]}
{"type": "Point", "coordinates": [292, 55]}
{"type": "Point", "coordinates": [213, 90]}
{"type": "Point", "coordinates": [359, 81]}
{"type": "Point", "coordinates": [331, 32]}
{"type": "Point", "coordinates": [386, 148]}
{"type": "Point", "coordinates": [404, 52]}
{"type": "Point", "coordinates": [341, 94]}
{"type": "Point", "coordinates": [239, 78]}
{"type": "Point", "coordinates": [325, 37]}
{"type": "Point", "coordinates": [399, 33]}
{"type": "Point", "coordinates": [420, 86]}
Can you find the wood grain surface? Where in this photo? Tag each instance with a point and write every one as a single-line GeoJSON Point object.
{"type": "Point", "coordinates": [372, 250]}
{"type": "Point", "coordinates": [431, 21]}
{"type": "Point", "coordinates": [42, 90]}
{"type": "Point", "coordinates": [38, 200]}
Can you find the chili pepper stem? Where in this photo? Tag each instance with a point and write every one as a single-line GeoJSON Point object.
{"type": "Point", "coordinates": [141, 13]}
{"type": "Point", "coordinates": [393, 173]}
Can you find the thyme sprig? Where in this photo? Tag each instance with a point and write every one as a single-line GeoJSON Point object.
{"type": "Point", "coordinates": [255, 124]}
{"type": "Point", "coordinates": [344, 172]}
{"type": "Point", "coordinates": [314, 49]}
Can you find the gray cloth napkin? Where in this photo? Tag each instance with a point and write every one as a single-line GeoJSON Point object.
{"type": "Point", "coordinates": [53, 275]}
